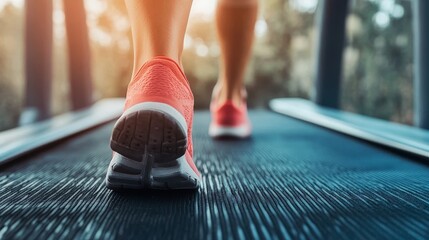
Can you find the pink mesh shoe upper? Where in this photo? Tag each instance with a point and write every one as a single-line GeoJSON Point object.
{"type": "Point", "coordinates": [162, 80]}
{"type": "Point", "coordinates": [228, 114]}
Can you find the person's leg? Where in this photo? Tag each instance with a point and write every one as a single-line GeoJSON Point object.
{"type": "Point", "coordinates": [152, 140]}
{"type": "Point", "coordinates": [158, 28]}
{"type": "Point", "coordinates": [235, 21]}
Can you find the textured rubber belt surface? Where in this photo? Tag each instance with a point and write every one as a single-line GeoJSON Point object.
{"type": "Point", "coordinates": [291, 180]}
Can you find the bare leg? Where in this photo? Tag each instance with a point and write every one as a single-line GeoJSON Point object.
{"type": "Point", "coordinates": [158, 28]}
{"type": "Point", "coordinates": [235, 20]}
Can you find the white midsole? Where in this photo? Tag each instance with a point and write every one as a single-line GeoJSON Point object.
{"type": "Point", "coordinates": [160, 107]}
{"type": "Point", "coordinates": [239, 131]}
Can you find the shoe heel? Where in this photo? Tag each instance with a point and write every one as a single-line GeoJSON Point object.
{"type": "Point", "coordinates": [149, 132]}
{"type": "Point", "coordinates": [150, 146]}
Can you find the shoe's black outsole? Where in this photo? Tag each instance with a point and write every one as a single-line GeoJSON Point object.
{"type": "Point", "coordinates": [151, 146]}
{"type": "Point", "coordinates": [126, 174]}
{"type": "Point", "coordinates": [149, 131]}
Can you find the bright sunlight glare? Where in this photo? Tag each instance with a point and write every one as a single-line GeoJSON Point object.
{"type": "Point", "coordinates": [17, 3]}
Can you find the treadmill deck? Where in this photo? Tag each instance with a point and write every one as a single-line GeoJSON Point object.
{"type": "Point", "coordinates": [290, 180]}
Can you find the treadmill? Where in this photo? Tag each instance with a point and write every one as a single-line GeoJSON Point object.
{"type": "Point", "coordinates": [309, 171]}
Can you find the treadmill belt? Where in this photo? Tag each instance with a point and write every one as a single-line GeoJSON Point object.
{"type": "Point", "coordinates": [292, 180]}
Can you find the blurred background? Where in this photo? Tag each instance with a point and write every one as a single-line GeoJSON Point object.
{"type": "Point", "coordinates": [377, 71]}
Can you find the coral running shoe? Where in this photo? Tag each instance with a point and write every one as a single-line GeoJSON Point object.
{"type": "Point", "coordinates": [152, 140]}
{"type": "Point", "coordinates": [228, 119]}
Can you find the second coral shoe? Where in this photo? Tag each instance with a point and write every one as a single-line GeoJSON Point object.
{"type": "Point", "coordinates": [229, 119]}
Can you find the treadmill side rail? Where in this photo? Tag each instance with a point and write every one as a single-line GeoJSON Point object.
{"type": "Point", "coordinates": [396, 136]}
{"type": "Point", "coordinates": [19, 141]}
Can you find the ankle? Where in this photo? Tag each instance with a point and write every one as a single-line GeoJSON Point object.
{"type": "Point", "coordinates": [139, 63]}
{"type": "Point", "coordinates": [226, 93]}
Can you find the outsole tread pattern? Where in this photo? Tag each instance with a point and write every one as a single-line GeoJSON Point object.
{"type": "Point", "coordinates": [149, 131]}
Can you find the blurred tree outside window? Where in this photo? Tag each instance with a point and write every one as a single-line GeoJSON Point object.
{"type": "Point", "coordinates": [378, 66]}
